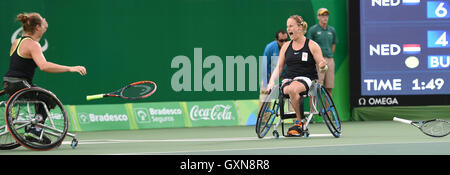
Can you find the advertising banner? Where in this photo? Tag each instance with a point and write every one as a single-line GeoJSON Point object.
{"type": "Point", "coordinates": [211, 113]}
{"type": "Point", "coordinates": [101, 117]}
{"type": "Point", "coordinates": [156, 115]}
{"type": "Point", "coordinates": [133, 116]}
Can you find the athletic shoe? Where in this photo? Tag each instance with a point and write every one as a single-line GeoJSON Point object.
{"type": "Point", "coordinates": [32, 134]}
{"type": "Point", "coordinates": [296, 130]}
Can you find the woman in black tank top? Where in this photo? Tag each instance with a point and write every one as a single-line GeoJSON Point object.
{"type": "Point", "coordinates": [300, 62]}
{"type": "Point", "coordinates": [301, 56]}
{"type": "Point", "coordinates": [26, 54]}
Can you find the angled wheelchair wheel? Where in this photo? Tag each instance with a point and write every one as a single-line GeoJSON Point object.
{"type": "Point", "coordinates": [36, 119]}
{"type": "Point", "coordinates": [328, 111]}
{"type": "Point", "coordinates": [266, 115]}
{"type": "Point", "coordinates": [7, 142]}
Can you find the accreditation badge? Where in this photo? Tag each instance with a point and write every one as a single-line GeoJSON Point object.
{"type": "Point", "coordinates": [305, 56]}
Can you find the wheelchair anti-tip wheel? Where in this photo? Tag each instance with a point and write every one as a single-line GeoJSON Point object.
{"type": "Point", "coordinates": [74, 143]}
{"type": "Point", "coordinates": [276, 134]}
{"type": "Point", "coordinates": [36, 119]}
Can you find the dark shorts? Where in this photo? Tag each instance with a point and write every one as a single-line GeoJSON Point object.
{"type": "Point", "coordinates": [12, 87]}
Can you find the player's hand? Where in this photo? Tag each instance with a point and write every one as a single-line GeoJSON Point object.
{"type": "Point", "coordinates": [323, 66]}
{"type": "Point", "coordinates": [79, 69]}
{"type": "Point", "coordinates": [324, 69]}
{"type": "Point", "coordinates": [267, 90]}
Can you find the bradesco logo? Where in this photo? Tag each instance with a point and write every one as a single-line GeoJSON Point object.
{"type": "Point", "coordinates": [91, 118]}
{"type": "Point", "coordinates": [217, 112]}
{"type": "Point", "coordinates": [148, 115]}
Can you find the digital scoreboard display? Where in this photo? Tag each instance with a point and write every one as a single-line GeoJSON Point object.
{"type": "Point", "coordinates": [404, 52]}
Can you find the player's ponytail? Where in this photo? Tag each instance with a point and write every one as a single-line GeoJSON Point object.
{"type": "Point", "coordinates": [29, 21]}
{"type": "Point", "coordinates": [300, 22]}
{"type": "Point", "coordinates": [22, 18]}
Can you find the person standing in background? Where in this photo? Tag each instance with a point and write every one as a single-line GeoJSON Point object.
{"type": "Point", "coordinates": [325, 35]}
{"type": "Point", "coordinates": [270, 58]}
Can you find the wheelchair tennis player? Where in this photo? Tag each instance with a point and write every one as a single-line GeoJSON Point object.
{"type": "Point", "coordinates": [301, 56]}
{"type": "Point", "coordinates": [25, 55]}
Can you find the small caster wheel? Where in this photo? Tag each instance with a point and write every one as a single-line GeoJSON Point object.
{"type": "Point", "coordinates": [337, 134]}
{"type": "Point", "coordinates": [275, 134]}
{"type": "Point", "coordinates": [306, 134]}
{"type": "Point", "coordinates": [74, 143]}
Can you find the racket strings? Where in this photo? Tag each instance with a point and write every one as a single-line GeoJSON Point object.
{"type": "Point", "coordinates": [138, 90]}
{"type": "Point", "coordinates": [437, 128]}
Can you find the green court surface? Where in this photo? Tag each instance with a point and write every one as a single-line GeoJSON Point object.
{"type": "Point", "coordinates": [358, 138]}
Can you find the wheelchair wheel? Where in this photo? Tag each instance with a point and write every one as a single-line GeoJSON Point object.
{"type": "Point", "coordinates": [6, 140]}
{"type": "Point", "coordinates": [266, 115]}
{"type": "Point", "coordinates": [36, 119]}
{"type": "Point", "coordinates": [328, 111]}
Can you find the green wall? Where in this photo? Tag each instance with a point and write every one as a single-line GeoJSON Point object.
{"type": "Point", "coordinates": [122, 41]}
{"type": "Point", "coordinates": [339, 19]}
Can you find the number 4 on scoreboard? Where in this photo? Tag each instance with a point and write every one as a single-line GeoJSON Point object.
{"type": "Point", "coordinates": [437, 39]}
{"type": "Point", "coordinates": [442, 40]}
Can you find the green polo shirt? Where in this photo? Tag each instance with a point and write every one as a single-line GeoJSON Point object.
{"type": "Point", "coordinates": [324, 37]}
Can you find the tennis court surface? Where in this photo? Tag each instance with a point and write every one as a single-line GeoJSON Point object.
{"type": "Point", "coordinates": [358, 138]}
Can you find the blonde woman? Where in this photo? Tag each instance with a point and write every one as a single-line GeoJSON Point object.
{"type": "Point", "coordinates": [301, 56]}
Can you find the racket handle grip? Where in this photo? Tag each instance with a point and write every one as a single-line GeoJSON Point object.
{"type": "Point", "coordinates": [402, 120]}
{"type": "Point", "coordinates": [93, 97]}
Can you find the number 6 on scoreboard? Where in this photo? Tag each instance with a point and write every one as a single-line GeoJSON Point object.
{"type": "Point", "coordinates": [437, 9]}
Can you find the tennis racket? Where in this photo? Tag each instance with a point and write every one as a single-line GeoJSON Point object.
{"type": "Point", "coordinates": [133, 91]}
{"type": "Point", "coordinates": [433, 128]}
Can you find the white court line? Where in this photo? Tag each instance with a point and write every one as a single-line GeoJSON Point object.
{"type": "Point", "coordinates": [265, 148]}
{"type": "Point", "coordinates": [109, 141]}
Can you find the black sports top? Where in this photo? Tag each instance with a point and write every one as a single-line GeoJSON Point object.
{"type": "Point", "coordinates": [20, 67]}
{"type": "Point", "coordinates": [300, 62]}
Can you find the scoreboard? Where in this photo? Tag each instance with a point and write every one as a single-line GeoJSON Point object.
{"type": "Point", "coordinates": [404, 52]}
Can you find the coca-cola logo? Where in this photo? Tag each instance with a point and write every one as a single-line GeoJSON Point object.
{"type": "Point", "coordinates": [217, 112]}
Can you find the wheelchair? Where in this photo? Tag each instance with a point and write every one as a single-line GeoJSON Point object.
{"type": "Point", "coordinates": [273, 108]}
{"type": "Point", "coordinates": [34, 118]}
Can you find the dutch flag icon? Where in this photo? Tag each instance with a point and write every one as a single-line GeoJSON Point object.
{"type": "Point", "coordinates": [410, 2]}
{"type": "Point", "coordinates": [411, 49]}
